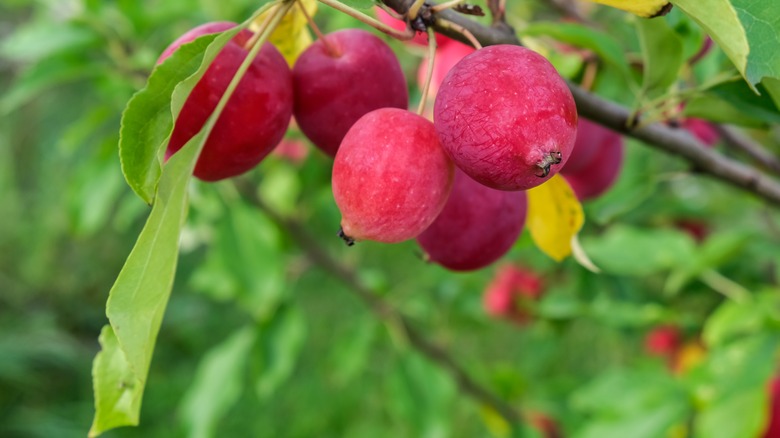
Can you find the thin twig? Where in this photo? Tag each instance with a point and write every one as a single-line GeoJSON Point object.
{"type": "Point", "coordinates": [299, 233]}
{"type": "Point", "coordinates": [743, 143]}
{"type": "Point", "coordinates": [615, 116]}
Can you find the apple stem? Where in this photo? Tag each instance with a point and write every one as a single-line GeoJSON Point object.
{"type": "Point", "coordinates": [371, 21]}
{"type": "Point", "coordinates": [390, 11]}
{"type": "Point", "coordinates": [446, 24]}
{"type": "Point", "coordinates": [589, 75]}
{"type": "Point", "coordinates": [330, 48]}
{"type": "Point", "coordinates": [414, 9]}
{"type": "Point", "coordinates": [446, 5]}
{"type": "Point", "coordinates": [429, 73]}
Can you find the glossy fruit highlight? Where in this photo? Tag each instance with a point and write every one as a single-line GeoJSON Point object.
{"type": "Point", "coordinates": [506, 117]}
{"type": "Point", "coordinates": [339, 82]}
{"type": "Point", "coordinates": [254, 119]}
{"type": "Point", "coordinates": [477, 226]}
{"type": "Point", "coordinates": [391, 177]}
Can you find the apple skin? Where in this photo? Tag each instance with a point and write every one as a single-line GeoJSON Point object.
{"type": "Point", "coordinates": [509, 292]}
{"type": "Point", "coordinates": [255, 118]}
{"type": "Point", "coordinates": [391, 177]}
{"type": "Point", "coordinates": [506, 117]}
{"type": "Point", "coordinates": [332, 91]}
{"type": "Point", "coordinates": [773, 425]}
{"type": "Point", "coordinates": [595, 163]}
{"type": "Point", "coordinates": [420, 38]}
{"type": "Point", "coordinates": [446, 58]}
{"type": "Point", "coordinates": [477, 226]}
{"type": "Point", "coordinates": [590, 139]}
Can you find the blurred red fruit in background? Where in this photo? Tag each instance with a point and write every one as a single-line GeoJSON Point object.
{"type": "Point", "coordinates": [508, 295]}
{"type": "Point", "coordinates": [702, 130]}
{"type": "Point", "coordinates": [773, 426]}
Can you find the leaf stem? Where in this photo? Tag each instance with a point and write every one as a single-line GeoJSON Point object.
{"type": "Point", "coordinates": [371, 21]}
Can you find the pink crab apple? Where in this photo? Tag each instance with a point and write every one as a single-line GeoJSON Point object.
{"type": "Point", "coordinates": [595, 163]}
{"type": "Point", "coordinates": [254, 119]}
{"type": "Point", "coordinates": [508, 294]}
{"type": "Point", "coordinates": [477, 226]}
{"type": "Point", "coordinates": [391, 177]}
{"type": "Point", "coordinates": [446, 58]}
{"type": "Point", "coordinates": [420, 38]}
{"type": "Point", "coordinates": [702, 130]}
{"type": "Point", "coordinates": [342, 78]}
{"type": "Point", "coordinates": [506, 117]}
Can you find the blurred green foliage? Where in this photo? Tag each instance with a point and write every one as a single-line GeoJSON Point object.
{"type": "Point", "coordinates": [257, 341]}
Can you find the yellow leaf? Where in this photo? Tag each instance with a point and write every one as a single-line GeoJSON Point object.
{"type": "Point", "coordinates": [554, 217]}
{"type": "Point", "coordinates": [292, 36]}
{"type": "Point", "coordinates": [643, 8]}
{"type": "Point", "coordinates": [494, 422]}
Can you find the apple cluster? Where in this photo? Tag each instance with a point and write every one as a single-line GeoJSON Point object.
{"type": "Point", "coordinates": [504, 121]}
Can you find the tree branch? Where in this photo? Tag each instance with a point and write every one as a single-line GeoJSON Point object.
{"type": "Point", "coordinates": [298, 232]}
{"type": "Point", "coordinates": [614, 116]}
{"type": "Point", "coordinates": [743, 143]}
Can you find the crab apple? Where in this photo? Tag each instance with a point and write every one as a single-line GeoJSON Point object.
{"type": "Point", "coordinates": [477, 226]}
{"type": "Point", "coordinates": [339, 80]}
{"type": "Point", "coordinates": [420, 38]}
{"type": "Point", "coordinates": [446, 58]}
{"type": "Point", "coordinates": [663, 341]}
{"type": "Point", "coordinates": [508, 294]}
{"type": "Point", "coordinates": [391, 177]}
{"type": "Point", "coordinates": [702, 130]}
{"type": "Point", "coordinates": [773, 424]}
{"type": "Point", "coordinates": [254, 119]}
{"type": "Point", "coordinates": [599, 174]}
{"type": "Point", "coordinates": [590, 140]}
{"type": "Point", "coordinates": [506, 117]}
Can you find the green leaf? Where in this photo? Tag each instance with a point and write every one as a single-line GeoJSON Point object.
{"type": "Point", "coordinates": [219, 382]}
{"type": "Point", "coordinates": [731, 385]}
{"type": "Point", "coordinates": [147, 121]}
{"type": "Point", "coordinates": [747, 30]}
{"type": "Point", "coordinates": [43, 39]}
{"type": "Point", "coordinates": [137, 301]}
{"type": "Point", "coordinates": [662, 54]}
{"type": "Point", "coordinates": [717, 250]}
{"type": "Point", "coordinates": [281, 343]}
{"type": "Point", "coordinates": [637, 403]}
{"type": "Point", "coordinates": [733, 320]}
{"type": "Point", "coordinates": [638, 251]}
{"type": "Point", "coordinates": [246, 263]}
{"type": "Point", "coordinates": [582, 36]}
{"type": "Point", "coordinates": [734, 102]}
{"type": "Point", "coordinates": [118, 391]}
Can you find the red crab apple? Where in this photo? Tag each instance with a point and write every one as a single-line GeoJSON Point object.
{"type": "Point", "coordinates": [339, 80]}
{"type": "Point", "coordinates": [446, 58]}
{"type": "Point", "coordinates": [477, 226]}
{"type": "Point", "coordinates": [663, 341]}
{"type": "Point", "coordinates": [391, 177]}
{"type": "Point", "coordinates": [773, 425]}
{"type": "Point", "coordinates": [595, 163]}
{"type": "Point", "coordinates": [509, 292]}
{"type": "Point", "coordinates": [506, 117]}
{"type": "Point", "coordinates": [702, 130]}
{"type": "Point", "coordinates": [420, 38]}
{"type": "Point", "coordinates": [254, 119]}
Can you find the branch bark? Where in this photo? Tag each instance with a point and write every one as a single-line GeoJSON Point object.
{"type": "Point", "coordinates": [614, 116]}
{"type": "Point", "coordinates": [299, 233]}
